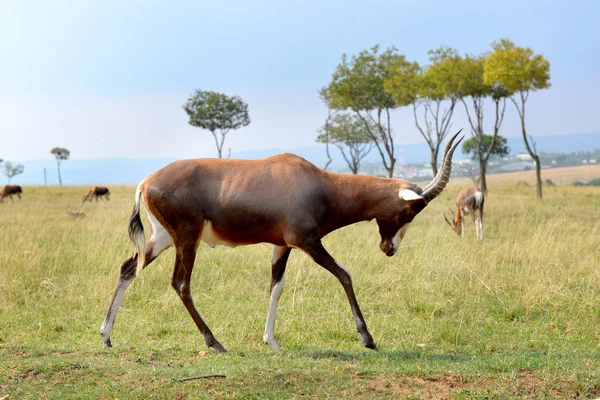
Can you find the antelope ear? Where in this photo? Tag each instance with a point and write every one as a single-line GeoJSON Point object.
{"type": "Point", "coordinates": [408, 195]}
{"type": "Point", "coordinates": [414, 201]}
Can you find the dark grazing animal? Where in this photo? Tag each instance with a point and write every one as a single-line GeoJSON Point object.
{"type": "Point", "coordinates": [283, 200]}
{"type": "Point", "coordinates": [97, 192]}
{"type": "Point", "coordinates": [9, 190]}
{"type": "Point", "coordinates": [469, 200]}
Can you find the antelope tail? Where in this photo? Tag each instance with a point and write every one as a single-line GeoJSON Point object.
{"type": "Point", "coordinates": [136, 232]}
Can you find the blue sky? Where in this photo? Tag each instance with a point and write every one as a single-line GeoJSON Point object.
{"type": "Point", "coordinates": [108, 78]}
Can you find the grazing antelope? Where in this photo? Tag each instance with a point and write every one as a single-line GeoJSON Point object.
{"type": "Point", "coordinates": [97, 192]}
{"type": "Point", "coordinates": [9, 190]}
{"type": "Point", "coordinates": [283, 200]}
{"type": "Point", "coordinates": [469, 200]}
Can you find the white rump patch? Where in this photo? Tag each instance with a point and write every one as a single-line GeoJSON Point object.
{"type": "Point", "coordinates": [408, 195]}
{"type": "Point", "coordinates": [160, 238]}
{"type": "Point", "coordinates": [209, 236]}
{"type": "Point", "coordinates": [478, 199]}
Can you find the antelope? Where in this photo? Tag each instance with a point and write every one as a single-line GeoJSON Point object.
{"type": "Point", "coordinates": [283, 200]}
{"type": "Point", "coordinates": [9, 190]}
{"type": "Point", "coordinates": [97, 192]}
{"type": "Point", "coordinates": [469, 200]}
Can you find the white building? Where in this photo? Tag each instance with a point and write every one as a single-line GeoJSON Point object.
{"type": "Point", "coordinates": [523, 157]}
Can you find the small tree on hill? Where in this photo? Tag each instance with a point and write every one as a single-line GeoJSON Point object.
{"type": "Point", "coordinates": [500, 148]}
{"type": "Point", "coordinates": [435, 88]}
{"type": "Point", "coordinates": [61, 154]}
{"type": "Point", "coordinates": [11, 170]}
{"type": "Point", "coordinates": [357, 85]}
{"type": "Point", "coordinates": [349, 134]}
{"type": "Point", "coordinates": [521, 72]}
{"type": "Point", "coordinates": [471, 87]}
{"type": "Point", "coordinates": [217, 113]}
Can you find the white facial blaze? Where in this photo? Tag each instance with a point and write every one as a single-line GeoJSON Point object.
{"type": "Point", "coordinates": [408, 195]}
{"type": "Point", "coordinates": [399, 236]}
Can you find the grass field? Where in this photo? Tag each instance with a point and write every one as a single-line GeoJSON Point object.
{"type": "Point", "coordinates": [517, 315]}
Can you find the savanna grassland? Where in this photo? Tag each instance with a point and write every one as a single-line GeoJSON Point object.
{"type": "Point", "coordinates": [517, 315]}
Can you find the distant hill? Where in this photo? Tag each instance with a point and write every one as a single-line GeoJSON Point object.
{"type": "Point", "coordinates": [126, 171]}
{"type": "Point", "coordinates": [414, 153]}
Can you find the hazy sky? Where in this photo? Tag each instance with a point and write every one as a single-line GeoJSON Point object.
{"type": "Point", "coordinates": [108, 78]}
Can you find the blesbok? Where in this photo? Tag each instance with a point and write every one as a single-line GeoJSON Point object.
{"type": "Point", "coordinates": [469, 200]}
{"type": "Point", "coordinates": [97, 192]}
{"type": "Point", "coordinates": [9, 190]}
{"type": "Point", "coordinates": [283, 200]}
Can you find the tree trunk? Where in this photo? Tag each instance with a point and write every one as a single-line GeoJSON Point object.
{"type": "Point", "coordinates": [538, 175]}
{"type": "Point", "coordinates": [532, 152]}
{"type": "Point", "coordinates": [59, 177]}
{"type": "Point", "coordinates": [391, 169]}
{"type": "Point", "coordinates": [219, 145]}
{"type": "Point", "coordinates": [434, 168]}
{"type": "Point", "coordinates": [482, 170]}
{"type": "Point", "coordinates": [434, 154]}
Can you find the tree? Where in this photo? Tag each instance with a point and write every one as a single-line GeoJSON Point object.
{"type": "Point", "coordinates": [500, 147]}
{"type": "Point", "coordinates": [216, 112]}
{"type": "Point", "coordinates": [350, 135]}
{"type": "Point", "coordinates": [61, 154]}
{"type": "Point", "coordinates": [330, 115]}
{"type": "Point", "coordinates": [431, 88]}
{"type": "Point", "coordinates": [471, 85]}
{"type": "Point", "coordinates": [357, 85]}
{"type": "Point", "coordinates": [11, 170]}
{"type": "Point", "coordinates": [521, 72]}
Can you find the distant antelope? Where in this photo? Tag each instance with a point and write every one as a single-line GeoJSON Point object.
{"type": "Point", "coordinates": [283, 200]}
{"type": "Point", "coordinates": [469, 200]}
{"type": "Point", "coordinates": [9, 190]}
{"type": "Point", "coordinates": [97, 192]}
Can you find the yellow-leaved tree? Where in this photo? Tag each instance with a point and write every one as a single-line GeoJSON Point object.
{"type": "Point", "coordinates": [521, 72]}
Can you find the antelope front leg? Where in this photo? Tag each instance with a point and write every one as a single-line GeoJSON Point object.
{"type": "Point", "coordinates": [182, 273]}
{"type": "Point", "coordinates": [278, 263]}
{"type": "Point", "coordinates": [324, 259]}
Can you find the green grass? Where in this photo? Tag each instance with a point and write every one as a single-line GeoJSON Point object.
{"type": "Point", "coordinates": [516, 315]}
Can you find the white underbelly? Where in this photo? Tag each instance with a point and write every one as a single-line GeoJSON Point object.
{"type": "Point", "coordinates": [209, 237]}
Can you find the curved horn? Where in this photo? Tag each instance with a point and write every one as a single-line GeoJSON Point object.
{"type": "Point", "coordinates": [446, 218]}
{"type": "Point", "coordinates": [438, 183]}
{"type": "Point", "coordinates": [439, 173]}
{"type": "Point", "coordinates": [452, 213]}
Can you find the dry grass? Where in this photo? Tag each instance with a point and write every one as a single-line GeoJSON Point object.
{"type": "Point", "coordinates": [560, 176]}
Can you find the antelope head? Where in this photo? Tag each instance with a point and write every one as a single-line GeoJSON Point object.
{"type": "Point", "coordinates": [452, 222]}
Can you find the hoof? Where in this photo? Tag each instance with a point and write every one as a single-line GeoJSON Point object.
{"type": "Point", "coordinates": [273, 345]}
{"type": "Point", "coordinates": [106, 342]}
{"type": "Point", "coordinates": [218, 347]}
{"type": "Point", "coordinates": [371, 346]}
